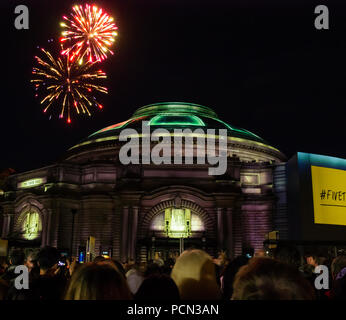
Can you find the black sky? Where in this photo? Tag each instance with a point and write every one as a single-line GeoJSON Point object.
{"type": "Point", "coordinates": [261, 65]}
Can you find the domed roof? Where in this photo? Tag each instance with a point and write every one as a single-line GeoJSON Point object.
{"type": "Point", "coordinates": [171, 115]}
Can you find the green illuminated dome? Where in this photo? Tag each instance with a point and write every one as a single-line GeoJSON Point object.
{"type": "Point", "coordinates": [170, 116]}
{"type": "Point", "coordinates": [173, 115]}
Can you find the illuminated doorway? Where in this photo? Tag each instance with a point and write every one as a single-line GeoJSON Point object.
{"type": "Point", "coordinates": [31, 227]}
{"type": "Point", "coordinates": [172, 231]}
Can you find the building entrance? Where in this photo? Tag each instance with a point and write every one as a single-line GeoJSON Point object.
{"type": "Point", "coordinates": [174, 230]}
{"type": "Point", "coordinates": [166, 248]}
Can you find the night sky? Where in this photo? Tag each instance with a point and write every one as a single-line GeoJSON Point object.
{"type": "Point", "coordinates": [260, 65]}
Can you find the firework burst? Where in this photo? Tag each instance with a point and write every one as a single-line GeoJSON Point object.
{"type": "Point", "coordinates": [68, 86]}
{"type": "Point", "coordinates": [89, 33]}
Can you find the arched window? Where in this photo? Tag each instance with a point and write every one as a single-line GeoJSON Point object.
{"type": "Point", "coordinates": [177, 223]}
{"type": "Point", "coordinates": [31, 225]}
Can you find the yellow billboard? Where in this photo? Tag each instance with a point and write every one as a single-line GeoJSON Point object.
{"type": "Point", "coordinates": [329, 195]}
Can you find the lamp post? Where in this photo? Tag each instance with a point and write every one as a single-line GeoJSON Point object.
{"type": "Point", "coordinates": [73, 211]}
{"type": "Point", "coordinates": [181, 245]}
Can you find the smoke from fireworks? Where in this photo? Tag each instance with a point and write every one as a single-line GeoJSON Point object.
{"type": "Point", "coordinates": [89, 33]}
{"type": "Point", "coordinates": [67, 85]}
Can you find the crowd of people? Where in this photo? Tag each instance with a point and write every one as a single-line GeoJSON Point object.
{"type": "Point", "coordinates": [194, 275]}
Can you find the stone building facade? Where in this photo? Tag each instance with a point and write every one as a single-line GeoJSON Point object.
{"type": "Point", "coordinates": [141, 210]}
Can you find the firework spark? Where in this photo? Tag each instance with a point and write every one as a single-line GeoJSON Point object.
{"type": "Point", "coordinates": [88, 34]}
{"type": "Point", "coordinates": [67, 85]}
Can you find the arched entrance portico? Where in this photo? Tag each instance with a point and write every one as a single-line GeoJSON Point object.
{"type": "Point", "coordinates": [174, 225]}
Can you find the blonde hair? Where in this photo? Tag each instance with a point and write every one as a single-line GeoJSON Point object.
{"type": "Point", "coordinates": [194, 275]}
{"type": "Point", "coordinates": [98, 281]}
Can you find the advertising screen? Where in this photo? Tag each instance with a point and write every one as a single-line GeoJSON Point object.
{"type": "Point", "coordinates": [316, 198]}
{"type": "Point", "coordinates": [329, 195]}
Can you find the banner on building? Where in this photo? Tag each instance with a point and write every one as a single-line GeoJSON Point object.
{"type": "Point", "coordinates": [329, 195]}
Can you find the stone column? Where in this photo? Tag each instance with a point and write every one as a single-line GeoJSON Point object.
{"type": "Point", "coordinates": [56, 222]}
{"type": "Point", "coordinates": [229, 236]}
{"type": "Point", "coordinates": [44, 230]}
{"type": "Point", "coordinates": [49, 218]}
{"type": "Point", "coordinates": [133, 235]}
{"type": "Point", "coordinates": [220, 235]}
{"type": "Point", "coordinates": [256, 223]}
{"type": "Point", "coordinates": [124, 232]}
{"type": "Point", "coordinates": [5, 225]}
{"type": "Point", "coordinates": [4, 222]}
{"type": "Point", "coordinates": [116, 231]}
{"type": "Point", "coordinates": [10, 222]}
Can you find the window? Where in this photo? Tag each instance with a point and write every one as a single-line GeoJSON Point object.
{"type": "Point", "coordinates": [177, 223]}
{"type": "Point", "coordinates": [31, 225]}
{"type": "Point", "coordinates": [249, 179]}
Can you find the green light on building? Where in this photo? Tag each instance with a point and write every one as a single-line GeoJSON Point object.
{"type": "Point", "coordinates": [176, 120]}
{"type": "Point", "coordinates": [31, 226]}
{"type": "Point", "coordinates": [178, 223]}
{"type": "Point", "coordinates": [113, 127]}
{"type": "Point", "coordinates": [31, 183]}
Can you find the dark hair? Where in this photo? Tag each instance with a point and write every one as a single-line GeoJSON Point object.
{"type": "Point", "coordinates": [17, 257]}
{"type": "Point", "coordinates": [318, 255]}
{"type": "Point", "coordinates": [152, 268]}
{"type": "Point", "coordinates": [269, 279]}
{"type": "Point", "coordinates": [338, 264]}
{"type": "Point", "coordinates": [47, 257]}
{"type": "Point", "coordinates": [158, 287]}
{"type": "Point", "coordinates": [119, 267]}
{"type": "Point", "coordinates": [114, 263]}
{"type": "Point", "coordinates": [99, 259]}
{"type": "Point", "coordinates": [31, 253]}
{"type": "Point", "coordinates": [288, 254]}
{"type": "Point", "coordinates": [229, 274]}
{"type": "Point", "coordinates": [98, 281]}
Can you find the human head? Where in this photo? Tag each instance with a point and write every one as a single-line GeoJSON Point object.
{"type": "Point", "coordinates": [288, 254]}
{"type": "Point", "coordinates": [194, 275]}
{"type": "Point", "coordinates": [99, 259]}
{"type": "Point", "coordinates": [221, 259]}
{"type": "Point", "coordinates": [119, 266]}
{"type": "Point", "coordinates": [30, 258]}
{"type": "Point", "coordinates": [168, 266]}
{"type": "Point", "coordinates": [316, 258]}
{"type": "Point", "coordinates": [97, 281]}
{"type": "Point", "coordinates": [338, 264]}
{"type": "Point", "coordinates": [153, 268]}
{"type": "Point", "coordinates": [158, 287]}
{"type": "Point", "coordinates": [17, 257]}
{"type": "Point", "coordinates": [229, 275]}
{"type": "Point", "coordinates": [260, 253]}
{"type": "Point", "coordinates": [116, 264]}
{"type": "Point", "coordinates": [47, 258]}
{"type": "Point", "coordinates": [311, 260]}
{"type": "Point", "coordinates": [269, 279]}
